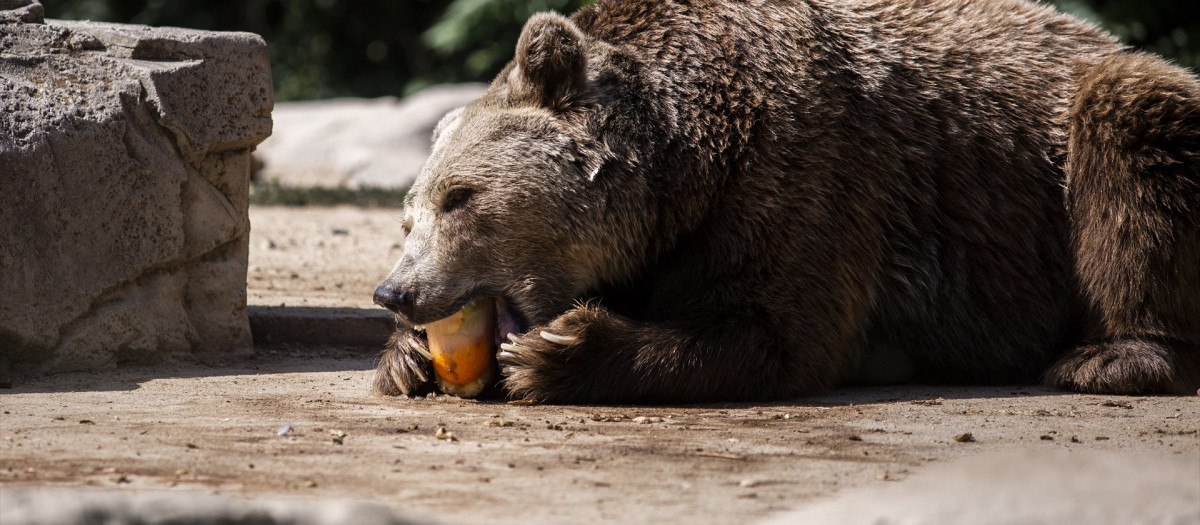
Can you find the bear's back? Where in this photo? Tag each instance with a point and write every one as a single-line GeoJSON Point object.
{"type": "Point", "coordinates": [937, 130]}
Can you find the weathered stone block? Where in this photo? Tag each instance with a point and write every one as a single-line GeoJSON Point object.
{"type": "Point", "coordinates": [124, 175]}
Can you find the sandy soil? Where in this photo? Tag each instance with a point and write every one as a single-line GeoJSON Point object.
{"type": "Point", "coordinates": [216, 429]}
{"type": "Point", "coordinates": [320, 257]}
{"type": "Point", "coordinates": [186, 426]}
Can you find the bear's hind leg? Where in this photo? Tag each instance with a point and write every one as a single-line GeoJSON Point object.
{"type": "Point", "coordinates": [1133, 191]}
{"type": "Point", "coordinates": [1127, 366]}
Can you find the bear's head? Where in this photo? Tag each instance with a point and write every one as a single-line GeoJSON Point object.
{"type": "Point", "coordinates": [508, 204]}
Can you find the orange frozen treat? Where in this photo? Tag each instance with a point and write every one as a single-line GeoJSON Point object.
{"type": "Point", "coordinates": [464, 349]}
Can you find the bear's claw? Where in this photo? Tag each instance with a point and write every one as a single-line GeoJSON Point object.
{"type": "Point", "coordinates": [423, 351]}
{"type": "Point", "coordinates": [524, 361]}
{"type": "Point", "coordinates": [405, 366]}
{"type": "Point", "coordinates": [555, 363]}
{"type": "Point", "coordinates": [564, 340]}
{"type": "Point", "coordinates": [415, 367]}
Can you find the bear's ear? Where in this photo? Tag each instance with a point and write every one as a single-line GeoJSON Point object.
{"type": "Point", "coordinates": [447, 120]}
{"type": "Point", "coordinates": [552, 59]}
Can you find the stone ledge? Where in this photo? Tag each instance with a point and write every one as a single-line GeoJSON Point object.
{"type": "Point", "coordinates": [365, 329]}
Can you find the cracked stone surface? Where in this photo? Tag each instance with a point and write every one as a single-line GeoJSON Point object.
{"type": "Point", "coordinates": [124, 167]}
{"type": "Point", "coordinates": [20, 11]}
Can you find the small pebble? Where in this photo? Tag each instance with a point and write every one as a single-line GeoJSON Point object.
{"type": "Point", "coordinates": [444, 435]}
{"type": "Point", "coordinates": [338, 436]}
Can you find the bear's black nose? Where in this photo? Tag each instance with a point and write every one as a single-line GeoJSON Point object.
{"type": "Point", "coordinates": [396, 300]}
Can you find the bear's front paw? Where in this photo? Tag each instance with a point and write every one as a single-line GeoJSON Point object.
{"type": "Point", "coordinates": [405, 367]}
{"type": "Point", "coordinates": [550, 363]}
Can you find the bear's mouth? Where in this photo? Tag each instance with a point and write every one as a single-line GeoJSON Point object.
{"type": "Point", "coordinates": [508, 321]}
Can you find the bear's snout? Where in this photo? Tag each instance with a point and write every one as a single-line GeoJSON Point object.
{"type": "Point", "coordinates": [395, 298]}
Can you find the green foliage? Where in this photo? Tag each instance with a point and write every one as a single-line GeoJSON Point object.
{"type": "Point", "coordinates": [274, 194]}
{"type": "Point", "coordinates": [484, 32]}
{"type": "Point", "coordinates": [319, 48]}
{"type": "Point", "coordinates": [327, 48]}
{"type": "Point", "coordinates": [1168, 27]}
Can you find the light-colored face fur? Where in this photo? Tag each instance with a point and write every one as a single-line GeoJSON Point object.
{"type": "Point", "coordinates": [497, 211]}
{"type": "Point", "coordinates": [508, 204]}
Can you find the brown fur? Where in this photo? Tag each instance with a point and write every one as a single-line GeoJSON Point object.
{"type": "Point", "coordinates": [752, 200]}
{"type": "Point", "coordinates": [1133, 180]}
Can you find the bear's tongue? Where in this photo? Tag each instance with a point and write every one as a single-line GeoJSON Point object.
{"type": "Point", "coordinates": [506, 322]}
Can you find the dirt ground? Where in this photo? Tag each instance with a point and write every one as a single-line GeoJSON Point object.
{"type": "Point", "coordinates": [298, 422]}
{"type": "Point", "coordinates": [320, 257]}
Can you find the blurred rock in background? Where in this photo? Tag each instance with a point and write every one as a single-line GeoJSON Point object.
{"type": "Point", "coordinates": [356, 143]}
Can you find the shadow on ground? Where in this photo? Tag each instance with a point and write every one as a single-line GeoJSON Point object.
{"type": "Point", "coordinates": [297, 358]}
{"type": "Point", "coordinates": [269, 359]}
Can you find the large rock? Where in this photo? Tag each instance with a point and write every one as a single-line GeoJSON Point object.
{"type": "Point", "coordinates": [124, 178]}
{"type": "Point", "coordinates": [378, 143]}
{"type": "Point", "coordinates": [20, 11]}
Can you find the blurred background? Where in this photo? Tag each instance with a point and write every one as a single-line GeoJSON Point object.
{"type": "Point", "coordinates": [372, 48]}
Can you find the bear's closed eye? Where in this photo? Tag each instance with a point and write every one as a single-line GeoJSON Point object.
{"type": "Point", "coordinates": [456, 197]}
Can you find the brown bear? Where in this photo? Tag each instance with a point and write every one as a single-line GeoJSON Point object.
{"type": "Point", "coordinates": [688, 200]}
